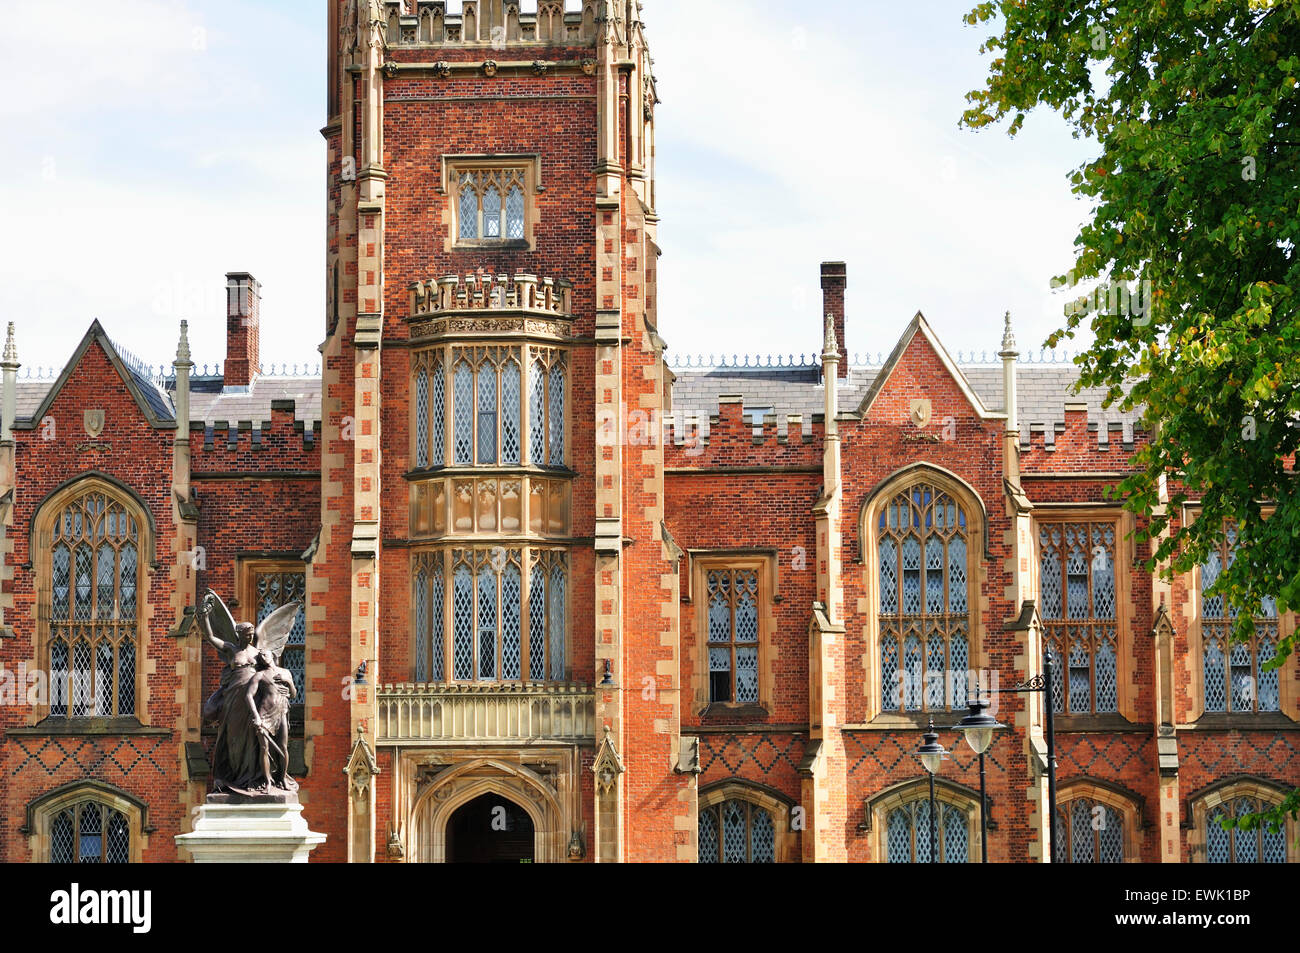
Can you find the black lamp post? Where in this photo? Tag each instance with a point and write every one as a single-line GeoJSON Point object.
{"type": "Point", "coordinates": [978, 728]}
{"type": "Point", "coordinates": [932, 755]}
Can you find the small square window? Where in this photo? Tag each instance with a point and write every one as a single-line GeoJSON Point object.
{"type": "Point", "coordinates": [489, 200]}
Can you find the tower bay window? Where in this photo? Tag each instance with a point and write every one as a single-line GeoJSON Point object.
{"type": "Point", "coordinates": [490, 614]}
{"type": "Point", "coordinates": [477, 394]}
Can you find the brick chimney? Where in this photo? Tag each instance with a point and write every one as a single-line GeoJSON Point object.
{"type": "Point", "coordinates": [833, 282]}
{"type": "Point", "coordinates": [243, 335]}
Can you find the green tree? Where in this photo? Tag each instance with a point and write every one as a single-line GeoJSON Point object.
{"type": "Point", "coordinates": [1191, 244]}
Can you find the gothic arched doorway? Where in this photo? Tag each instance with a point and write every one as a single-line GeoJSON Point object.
{"type": "Point", "coordinates": [490, 830]}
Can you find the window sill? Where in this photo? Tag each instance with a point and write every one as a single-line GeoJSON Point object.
{"type": "Point", "coordinates": [1242, 721]}
{"type": "Point", "coordinates": [52, 725]}
{"type": "Point", "coordinates": [909, 720]}
{"type": "Point", "coordinates": [490, 244]}
{"type": "Point", "coordinates": [716, 713]}
{"type": "Point", "coordinates": [490, 470]}
{"type": "Point", "coordinates": [1111, 722]}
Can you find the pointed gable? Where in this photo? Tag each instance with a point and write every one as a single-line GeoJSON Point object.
{"type": "Point", "coordinates": [154, 402]}
{"type": "Point", "coordinates": [911, 370]}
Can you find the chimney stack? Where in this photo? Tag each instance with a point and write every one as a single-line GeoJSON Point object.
{"type": "Point", "coordinates": [833, 282]}
{"type": "Point", "coordinates": [243, 335]}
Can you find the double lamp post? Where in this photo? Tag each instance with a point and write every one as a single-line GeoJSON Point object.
{"type": "Point", "coordinates": [978, 728]}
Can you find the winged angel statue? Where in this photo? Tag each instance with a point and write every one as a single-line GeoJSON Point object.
{"type": "Point", "coordinates": [251, 706]}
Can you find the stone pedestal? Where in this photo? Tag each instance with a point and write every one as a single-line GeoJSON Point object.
{"type": "Point", "coordinates": [250, 830]}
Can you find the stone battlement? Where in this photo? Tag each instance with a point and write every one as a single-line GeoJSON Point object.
{"type": "Point", "coordinates": [283, 433]}
{"type": "Point", "coordinates": [495, 24]}
{"type": "Point", "coordinates": [1077, 434]}
{"type": "Point", "coordinates": [483, 292]}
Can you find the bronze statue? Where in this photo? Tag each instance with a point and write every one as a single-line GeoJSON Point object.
{"type": "Point", "coordinates": [251, 707]}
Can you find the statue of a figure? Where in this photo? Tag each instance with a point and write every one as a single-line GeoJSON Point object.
{"type": "Point", "coordinates": [251, 707]}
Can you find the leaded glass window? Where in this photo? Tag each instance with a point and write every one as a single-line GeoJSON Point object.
{"type": "Point", "coordinates": [736, 832]}
{"type": "Point", "coordinates": [515, 214]}
{"type": "Point", "coordinates": [555, 415]}
{"type": "Point", "coordinates": [422, 418]}
{"type": "Point", "coordinates": [546, 407]}
{"type": "Point", "coordinates": [1089, 832]}
{"type": "Point", "coordinates": [505, 611]}
{"type": "Point", "coordinates": [491, 212]}
{"type": "Point", "coordinates": [482, 215]}
{"type": "Point", "coordinates": [93, 607]}
{"type": "Point", "coordinates": [923, 542]}
{"type": "Point", "coordinates": [276, 589]}
{"type": "Point", "coordinates": [733, 627]}
{"type": "Point", "coordinates": [429, 587]}
{"type": "Point", "coordinates": [1077, 579]}
{"type": "Point", "coordinates": [908, 833]}
{"type": "Point", "coordinates": [492, 403]}
{"type": "Point", "coordinates": [430, 388]}
{"type": "Point", "coordinates": [462, 403]}
{"type": "Point", "coordinates": [1236, 846]}
{"type": "Point", "coordinates": [1233, 672]}
{"type": "Point", "coordinates": [489, 388]}
{"type": "Point", "coordinates": [89, 833]}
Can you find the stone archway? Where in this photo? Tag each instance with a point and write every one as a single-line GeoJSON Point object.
{"type": "Point", "coordinates": [490, 829]}
{"type": "Point", "coordinates": [526, 796]}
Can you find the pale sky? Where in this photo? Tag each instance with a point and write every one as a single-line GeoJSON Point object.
{"type": "Point", "coordinates": [157, 144]}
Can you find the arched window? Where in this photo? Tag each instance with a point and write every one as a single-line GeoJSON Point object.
{"type": "Point", "coordinates": [908, 833]}
{"type": "Point", "coordinates": [1089, 832]}
{"type": "Point", "coordinates": [87, 822]}
{"type": "Point", "coordinates": [1077, 581]}
{"type": "Point", "coordinates": [91, 594]}
{"type": "Point", "coordinates": [736, 831]}
{"type": "Point", "coordinates": [923, 547]}
{"type": "Point", "coordinates": [89, 833]}
{"type": "Point", "coordinates": [1233, 673]}
{"type": "Point", "coordinates": [1236, 846]}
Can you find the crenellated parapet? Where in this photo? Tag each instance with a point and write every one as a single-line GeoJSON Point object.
{"type": "Point", "coordinates": [284, 442]}
{"type": "Point", "coordinates": [1077, 443]}
{"type": "Point", "coordinates": [495, 24]}
{"type": "Point", "coordinates": [552, 297]}
{"type": "Point", "coordinates": [735, 438]}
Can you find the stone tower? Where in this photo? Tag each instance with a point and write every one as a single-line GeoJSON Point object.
{"type": "Point", "coordinates": [492, 474]}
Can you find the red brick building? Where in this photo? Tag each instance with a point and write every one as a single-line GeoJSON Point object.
{"type": "Point", "coordinates": [567, 599]}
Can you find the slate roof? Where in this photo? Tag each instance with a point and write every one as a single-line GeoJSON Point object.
{"type": "Point", "coordinates": [1043, 390]}
{"type": "Point", "coordinates": [208, 402]}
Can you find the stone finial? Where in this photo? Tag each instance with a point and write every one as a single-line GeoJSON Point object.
{"type": "Point", "coordinates": [1008, 339]}
{"type": "Point", "coordinates": [11, 348]}
{"type": "Point", "coordinates": [183, 349]}
{"type": "Point", "coordinates": [830, 349]}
